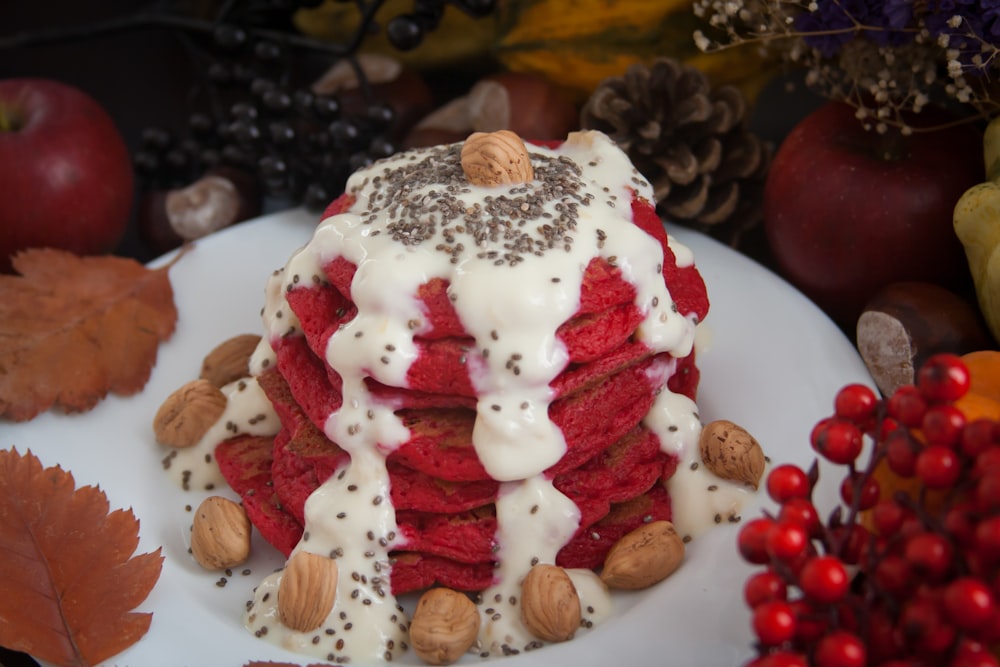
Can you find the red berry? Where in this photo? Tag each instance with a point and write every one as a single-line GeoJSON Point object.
{"type": "Point", "coordinates": [857, 536]}
{"type": "Point", "coordinates": [988, 491]}
{"type": "Point", "coordinates": [972, 653]}
{"type": "Point", "coordinates": [960, 524]}
{"type": "Point", "coordinates": [894, 575]}
{"type": "Point", "coordinates": [907, 406]}
{"type": "Point", "coordinates": [887, 426]}
{"type": "Point", "coordinates": [977, 437]}
{"type": "Point", "coordinates": [974, 659]}
{"type": "Point", "coordinates": [901, 451]}
{"type": "Point", "coordinates": [788, 481]}
{"type": "Point", "coordinates": [990, 632]}
{"type": "Point", "coordinates": [882, 637]}
{"type": "Point", "coordinates": [840, 649]}
{"type": "Point", "coordinates": [986, 461]}
{"type": "Point", "coordinates": [763, 587]}
{"type": "Point", "coordinates": [943, 378]}
{"type": "Point", "coordinates": [781, 659]}
{"type": "Point", "coordinates": [801, 511]}
{"type": "Point", "coordinates": [855, 402]}
{"type": "Point", "coordinates": [774, 622]}
{"type": "Point", "coordinates": [824, 579]}
{"type": "Point", "coordinates": [923, 627]}
{"type": "Point", "coordinates": [810, 624]}
{"type": "Point", "coordinates": [988, 538]}
{"type": "Point", "coordinates": [752, 540]}
{"type": "Point", "coordinates": [912, 525]}
{"type": "Point", "coordinates": [930, 554]}
{"type": "Point", "coordinates": [837, 440]}
{"type": "Point", "coordinates": [887, 517]}
{"type": "Point", "coordinates": [786, 540]}
{"type": "Point", "coordinates": [938, 467]}
{"type": "Point", "coordinates": [968, 603]}
{"type": "Point", "coordinates": [859, 489]}
{"type": "Point", "coordinates": [942, 425]}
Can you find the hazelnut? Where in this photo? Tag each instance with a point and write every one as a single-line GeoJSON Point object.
{"type": "Point", "coordinates": [220, 534]}
{"type": "Point", "coordinates": [307, 591]}
{"type": "Point", "coordinates": [496, 158]}
{"type": "Point", "coordinates": [187, 414]}
{"type": "Point", "coordinates": [647, 555]}
{"type": "Point", "coordinates": [730, 452]}
{"type": "Point", "coordinates": [229, 360]}
{"type": "Point", "coordinates": [550, 605]}
{"type": "Point", "coordinates": [444, 626]}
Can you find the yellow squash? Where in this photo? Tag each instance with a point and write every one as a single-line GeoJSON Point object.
{"type": "Point", "coordinates": [977, 224]}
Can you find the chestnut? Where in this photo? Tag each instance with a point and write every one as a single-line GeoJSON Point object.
{"type": "Point", "coordinates": [221, 197]}
{"type": "Point", "coordinates": [904, 323]}
{"type": "Point", "coordinates": [527, 104]}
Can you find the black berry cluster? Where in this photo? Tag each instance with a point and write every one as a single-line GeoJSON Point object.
{"type": "Point", "coordinates": [261, 114]}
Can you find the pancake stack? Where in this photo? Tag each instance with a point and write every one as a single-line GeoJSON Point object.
{"type": "Point", "coordinates": [471, 343]}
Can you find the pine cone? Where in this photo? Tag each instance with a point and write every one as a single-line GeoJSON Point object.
{"type": "Point", "coordinates": [690, 141]}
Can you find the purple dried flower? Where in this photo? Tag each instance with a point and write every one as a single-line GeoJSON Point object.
{"type": "Point", "coordinates": [834, 23]}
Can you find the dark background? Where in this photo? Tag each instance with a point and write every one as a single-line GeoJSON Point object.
{"type": "Point", "coordinates": [147, 78]}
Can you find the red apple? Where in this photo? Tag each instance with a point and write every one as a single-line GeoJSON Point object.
{"type": "Point", "coordinates": [848, 211]}
{"type": "Point", "coordinates": [65, 174]}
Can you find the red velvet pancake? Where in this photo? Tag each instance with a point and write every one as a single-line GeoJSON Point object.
{"type": "Point", "coordinates": [444, 500]}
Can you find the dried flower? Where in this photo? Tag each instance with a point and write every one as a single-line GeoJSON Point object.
{"type": "Point", "coordinates": [887, 58]}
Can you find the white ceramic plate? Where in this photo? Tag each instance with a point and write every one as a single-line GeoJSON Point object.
{"type": "Point", "coordinates": [772, 362]}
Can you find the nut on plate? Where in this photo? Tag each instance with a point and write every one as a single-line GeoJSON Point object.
{"type": "Point", "coordinates": [729, 451]}
{"type": "Point", "coordinates": [444, 626]}
{"type": "Point", "coordinates": [550, 605]}
{"type": "Point", "coordinates": [496, 158]}
{"type": "Point", "coordinates": [229, 360]}
{"type": "Point", "coordinates": [220, 534]}
{"type": "Point", "coordinates": [646, 556]}
{"type": "Point", "coordinates": [188, 413]}
{"type": "Point", "coordinates": [307, 591]}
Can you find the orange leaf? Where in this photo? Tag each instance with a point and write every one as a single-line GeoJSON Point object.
{"type": "Point", "coordinates": [69, 579]}
{"type": "Point", "coordinates": [74, 328]}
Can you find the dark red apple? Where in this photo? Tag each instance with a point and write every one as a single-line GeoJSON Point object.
{"type": "Point", "coordinates": [65, 174]}
{"type": "Point", "coordinates": [848, 211]}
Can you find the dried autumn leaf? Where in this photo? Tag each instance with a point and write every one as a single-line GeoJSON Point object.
{"type": "Point", "coordinates": [73, 329]}
{"type": "Point", "coordinates": [70, 581]}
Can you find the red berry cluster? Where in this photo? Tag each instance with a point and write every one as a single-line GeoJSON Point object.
{"type": "Point", "coordinates": [893, 577]}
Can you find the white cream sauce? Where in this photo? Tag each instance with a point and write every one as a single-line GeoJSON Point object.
{"type": "Point", "coordinates": [248, 411]}
{"type": "Point", "coordinates": [699, 498]}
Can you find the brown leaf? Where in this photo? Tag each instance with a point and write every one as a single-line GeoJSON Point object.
{"type": "Point", "coordinates": [74, 328]}
{"type": "Point", "coordinates": [69, 578]}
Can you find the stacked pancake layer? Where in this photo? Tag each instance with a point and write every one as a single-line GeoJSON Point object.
{"type": "Point", "coordinates": [463, 376]}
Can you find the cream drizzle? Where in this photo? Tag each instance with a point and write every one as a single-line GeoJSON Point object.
{"type": "Point", "coordinates": [247, 411]}
{"type": "Point", "coordinates": [699, 498]}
